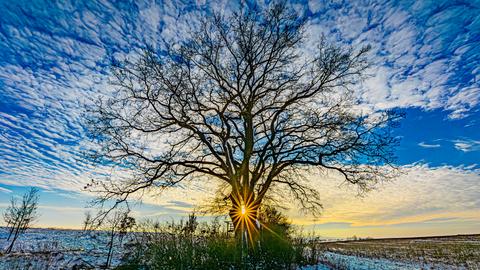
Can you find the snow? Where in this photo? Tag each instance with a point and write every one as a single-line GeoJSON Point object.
{"type": "Point", "coordinates": [331, 260]}
{"type": "Point", "coordinates": [39, 249]}
{"type": "Point", "coordinates": [52, 249]}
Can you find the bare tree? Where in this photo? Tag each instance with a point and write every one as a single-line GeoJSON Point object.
{"type": "Point", "coordinates": [10, 217]}
{"type": "Point", "coordinates": [87, 221]}
{"type": "Point", "coordinates": [19, 216]}
{"type": "Point", "coordinates": [117, 226]}
{"type": "Point", "coordinates": [244, 101]}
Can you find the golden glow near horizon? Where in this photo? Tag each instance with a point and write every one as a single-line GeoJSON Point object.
{"type": "Point", "coordinates": [423, 201]}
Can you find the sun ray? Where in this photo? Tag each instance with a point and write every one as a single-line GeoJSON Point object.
{"type": "Point", "coordinates": [244, 214]}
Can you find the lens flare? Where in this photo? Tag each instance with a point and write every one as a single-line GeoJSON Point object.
{"type": "Point", "coordinates": [244, 214]}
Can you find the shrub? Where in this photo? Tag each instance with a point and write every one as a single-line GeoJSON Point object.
{"type": "Point", "coordinates": [189, 245]}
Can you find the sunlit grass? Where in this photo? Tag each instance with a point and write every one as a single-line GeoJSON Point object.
{"type": "Point", "coordinates": [210, 246]}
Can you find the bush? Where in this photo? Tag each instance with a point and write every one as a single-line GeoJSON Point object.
{"type": "Point", "coordinates": [189, 245]}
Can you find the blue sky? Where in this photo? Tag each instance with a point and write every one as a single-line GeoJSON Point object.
{"type": "Point", "coordinates": [426, 61]}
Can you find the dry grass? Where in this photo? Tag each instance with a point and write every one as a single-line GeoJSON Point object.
{"type": "Point", "coordinates": [459, 250]}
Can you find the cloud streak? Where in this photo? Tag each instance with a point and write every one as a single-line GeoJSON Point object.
{"type": "Point", "coordinates": [426, 145]}
{"type": "Point", "coordinates": [5, 190]}
{"type": "Point", "coordinates": [467, 145]}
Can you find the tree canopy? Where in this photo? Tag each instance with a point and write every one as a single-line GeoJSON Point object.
{"type": "Point", "coordinates": [244, 100]}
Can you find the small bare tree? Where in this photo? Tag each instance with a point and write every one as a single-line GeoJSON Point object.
{"type": "Point", "coordinates": [19, 216]}
{"type": "Point", "coordinates": [117, 225]}
{"type": "Point", "coordinates": [242, 100]}
{"type": "Point", "coordinates": [10, 217]}
{"type": "Point", "coordinates": [87, 221]}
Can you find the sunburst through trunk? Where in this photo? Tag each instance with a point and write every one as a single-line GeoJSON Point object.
{"type": "Point", "coordinates": [244, 214]}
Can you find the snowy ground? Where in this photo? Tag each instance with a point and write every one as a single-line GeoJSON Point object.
{"type": "Point", "coordinates": [332, 260]}
{"type": "Point", "coordinates": [54, 249]}
{"type": "Point", "coordinates": [40, 249]}
{"type": "Point", "coordinates": [441, 252]}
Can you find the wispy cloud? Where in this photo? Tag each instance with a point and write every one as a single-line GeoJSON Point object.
{"type": "Point", "coordinates": [426, 145]}
{"type": "Point", "coordinates": [55, 59]}
{"type": "Point", "coordinates": [467, 145]}
{"type": "Point", "coordinates": [4, 190]}
{"type": "Point", "coordinates": [425, 54]}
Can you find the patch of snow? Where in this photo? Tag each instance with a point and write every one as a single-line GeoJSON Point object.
{"type": "Point", "coordinates": [331, 260]}
{"type": "Point", "coordinates": [53, 249]}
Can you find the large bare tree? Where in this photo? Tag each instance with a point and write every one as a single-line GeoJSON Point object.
{"type": "Point", "coordinates": [243, 100]}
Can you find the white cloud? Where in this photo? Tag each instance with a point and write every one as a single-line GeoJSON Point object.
{"type": "Point", "coordinates": [467, 145]}
{"type": "Point", "coordinates": [463, 101]}
{"type": "Point", "coordinates": [314, 5]}
{"type": "Point", "coordinates": [5, 190]}
{"type": "Point", "coordinates": [422, 55]}
{"type": "Point", "coordinates": [426, 145]}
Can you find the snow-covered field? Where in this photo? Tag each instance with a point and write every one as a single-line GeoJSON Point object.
{"type": "Point", "coordinates": [441, 252]}
{"type": "Point", "coordinates": [340, 261]}
{"type": "Point", "coordinates": [53, 249]}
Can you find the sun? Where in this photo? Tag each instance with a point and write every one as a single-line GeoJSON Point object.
{"type": "Point", "coordinates": [243, 210]}
{"type": "Point", "coordinates": [244, 215]}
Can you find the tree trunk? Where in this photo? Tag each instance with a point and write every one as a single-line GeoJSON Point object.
{"type": "Point", "coordinates": [11, 232]}
{"type": "Point", "coordinates": [14, 226]}
{"type": "Point", "coordinates": [244, 213]}
{"type": "Point", "coordinates": [109, 256]}
{"type": "Point", "coordinates": [15, 236]}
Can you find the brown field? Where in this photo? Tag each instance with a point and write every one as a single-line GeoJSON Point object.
{"type": "Point", "coordinates": [461, 251]}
